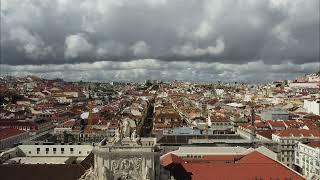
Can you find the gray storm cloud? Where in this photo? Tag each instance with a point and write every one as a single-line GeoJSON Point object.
{"type": "Point", "coordinates": [230, 32]}
{"type": "Point", "coordinates": [139, 70]}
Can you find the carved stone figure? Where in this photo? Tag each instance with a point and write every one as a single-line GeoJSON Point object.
{"type": "Point", "coordinates": [125, 128]}
{"type": "Point", "coordinates": [117, 136]}
{"type": "Point", "coordinates": [134, 136]}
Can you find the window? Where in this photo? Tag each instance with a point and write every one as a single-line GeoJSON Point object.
{"type": "Point", "coordinates": [71, 150]}
{"type": "Point", "coordinates": [29, 152]}
{"type": "Point", "coordinates": [79, 152]}
{"type": "Point", "coordinates": [62, 150]}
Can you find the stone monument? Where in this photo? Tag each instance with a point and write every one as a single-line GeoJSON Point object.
{"type": "Point", "coordinates": [126, 156]}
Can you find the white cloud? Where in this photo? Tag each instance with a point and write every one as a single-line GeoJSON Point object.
{"type": "Point", "coordinates": [204, 30]}
{"type": "Point", "coordinates": [190, 50]}
{"type": "Point", "coordinates": [76, 45]}
{"type": "Point", "coordinates": [140, 48]}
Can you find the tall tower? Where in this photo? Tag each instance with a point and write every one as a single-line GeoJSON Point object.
{"type": "Point", "coordinates": [253, 129]}
{"type": "Point", "coordinates": [90, 116]}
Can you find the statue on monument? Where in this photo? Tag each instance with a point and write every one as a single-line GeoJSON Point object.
{"type": "Point", "coordinates": [134, 136]}
{"type": "Point", "coordinates": [124, 130]}
{"type": "Point", "coordinates": [117, 136]}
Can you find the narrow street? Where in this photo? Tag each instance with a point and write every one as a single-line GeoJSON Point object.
{"type": "Point", "coordinates": [146, 127]}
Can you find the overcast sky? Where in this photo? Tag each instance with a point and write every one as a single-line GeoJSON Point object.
{"type": "Point", "coordinates": [126, 40]}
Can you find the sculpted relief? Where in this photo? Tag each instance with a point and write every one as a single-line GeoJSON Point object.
{"type": "Point", "coordinates": [127, 168]}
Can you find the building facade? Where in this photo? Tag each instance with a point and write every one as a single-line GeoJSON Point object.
{"type": "Point", "coordinates": [312, 106]}
{"type": "Point", "coordinates": [287, 141]}
{"type": "Point", "coordinates": [307, 159]}
{"type": "Point", "coordinates": [275, 114]}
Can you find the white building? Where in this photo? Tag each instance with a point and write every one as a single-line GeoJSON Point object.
{"type": "Point", "coordinates": [287, 141]}
{"type": "Point", "coordinates": [312, 106]}
{"type": "Point", "coordinates": [304, 85]}
{"type": "Point", "coordinates": [63, 99]}
{"type": "Point", "coordinates": [199, 152]}
{"type": "Point", "coordinates": [45, 154]}
{"type": "Point", "coordinates": [307, 158]}
{"type": "Point", "coordinates": [219, 92]}
{"type": "Point", "coordinates": [313, 78]}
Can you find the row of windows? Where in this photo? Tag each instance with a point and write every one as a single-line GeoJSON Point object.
{"type": "Point", "coordinates": [193, 156]}
{"type": "Point", "coordinates": [222, 124]}
{"type": "Point", "coordinates": [287, 152]}
{"type": "Point", "coordinates": [54, 150]}
{"type": "Point", "coordinates": [287, 159]}
{"type": "Point", "coordinates": [309, 171]}
{"type": "Point", "coordinates": [288, 141]}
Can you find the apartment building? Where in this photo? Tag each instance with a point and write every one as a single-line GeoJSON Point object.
{"type": "Point", "coordinates": [307, 159]}
{"type": "Point", "coordinates": [287, 141]}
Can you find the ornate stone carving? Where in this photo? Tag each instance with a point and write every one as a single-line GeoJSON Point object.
{"type": "Point", "coordinates": [127, 164]}
{"type": "Point", "coordinates": [129, 168]}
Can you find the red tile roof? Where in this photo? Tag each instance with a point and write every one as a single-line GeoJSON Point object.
{"type": "Point", "coordinates": [294, 124]}
{"type": "Point", "coordinates": [266, 133]}
{"type": "Point", "coordinates": [314, 144]}
{"type": "Point", "coordinates": [9, 132]}
{"type": "Point", "coordinates": [170, 159]}
{"type": "Point", "coordinates": [261, 125]}
{"type": "Point", "coordinates": [276, 124]}
{"type": "Point", "coordinates": [298, 132]}
{"type": "Point", "coordinates": [250, 166]}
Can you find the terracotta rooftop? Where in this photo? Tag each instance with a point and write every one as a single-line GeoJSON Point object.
{"type": "Point", "coordinates": [266, 133]}
{"type": "Point", "coordinates": [276, 123]}
{"type": "Point", "coordinates": [299, 132]}
{"type": "Point", "coordinates": [314, 144]}
{"type": "Point", "coordinates": [9, 132]}
{"type": "Point", "coordinates": [251, 166]}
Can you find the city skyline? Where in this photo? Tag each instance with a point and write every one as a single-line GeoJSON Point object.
{"type": "Point", "coordinates": [198, 41]}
